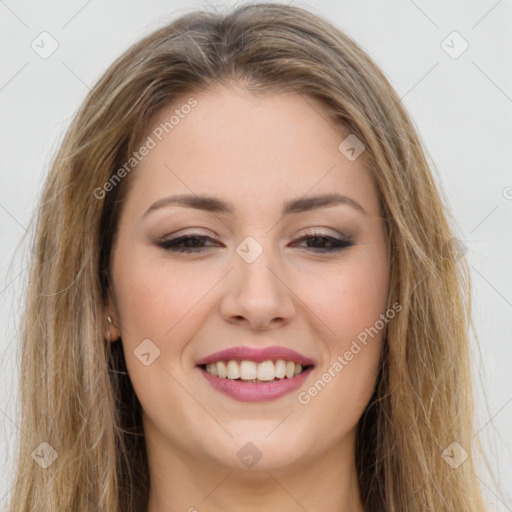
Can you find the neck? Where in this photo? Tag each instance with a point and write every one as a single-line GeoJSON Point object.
{"type": "Point", "coordinates": [179, 481]}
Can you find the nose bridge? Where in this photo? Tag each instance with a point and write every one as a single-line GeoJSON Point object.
{"type": "Point", "coordinates": [257, 293]}
{"type": "Point", "coordinates": [255, 259]}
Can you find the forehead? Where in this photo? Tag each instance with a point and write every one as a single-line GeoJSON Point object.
{"type": "Point", "coordinates": [254, 149]}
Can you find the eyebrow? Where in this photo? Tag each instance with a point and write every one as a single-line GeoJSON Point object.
{"type": "Point", "coordinates": [215, 205]}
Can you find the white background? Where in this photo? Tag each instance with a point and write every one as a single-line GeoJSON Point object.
{"type": "Point", "coordinates": [462, 109]}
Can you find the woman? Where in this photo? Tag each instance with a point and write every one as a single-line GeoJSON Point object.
{"type": "Point", "coordinates": [245, 293]}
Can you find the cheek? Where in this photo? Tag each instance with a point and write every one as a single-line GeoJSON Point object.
{"type": "Point", "coordinates": [155, 298]}
{"type": "Point", "coordinates": [162, 303]}
{"type": "Point", "coordinates": [347, 297]}
{"type": "Point", "coordinates": [349, 301]}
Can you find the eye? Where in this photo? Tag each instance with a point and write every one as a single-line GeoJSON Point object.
{"type": "Point", "coordinates": [325, 243]}
{"type": "Point", "coordinates": [185, 243]}
{"type": "Point", "coordinates": [317, 242]}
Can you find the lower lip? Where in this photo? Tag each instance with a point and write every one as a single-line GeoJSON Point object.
{"type": "Point", "coordinates": [253, 391]}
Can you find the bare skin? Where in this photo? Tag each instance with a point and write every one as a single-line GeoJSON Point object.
{"type": "Point", "coordinates": [256, 153]}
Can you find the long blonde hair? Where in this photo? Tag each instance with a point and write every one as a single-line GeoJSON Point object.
{"type": "Point", "coordinates": [76, 395]}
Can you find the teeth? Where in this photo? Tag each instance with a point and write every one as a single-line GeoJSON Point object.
{"type": "Point", "coordinates": [248, 370]}
{"type": "Point", "coordinates": [280, 369]}
{"type": "Point", "coordinates": [222, 371]}
{"type": "Point", "coordinates": [266, 371]}
{"type": "Point", "coordinates": [256, 372]}
{"type": "Point", "coordinates": [233, 370]}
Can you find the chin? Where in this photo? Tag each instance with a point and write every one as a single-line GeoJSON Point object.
{"type": "Point", "coordinates": [259, 453]}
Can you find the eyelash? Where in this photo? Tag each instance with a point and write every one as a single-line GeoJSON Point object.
{"type": "Point", "coordinates": [173, 244]}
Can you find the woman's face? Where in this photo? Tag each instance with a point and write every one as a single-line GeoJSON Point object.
{"type": "Point", "coordinates": [250, 278]}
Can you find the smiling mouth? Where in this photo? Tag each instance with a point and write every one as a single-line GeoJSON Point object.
{"type": "Point", "coordinates": [254, 372]}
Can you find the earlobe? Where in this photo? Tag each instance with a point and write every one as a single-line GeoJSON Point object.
{"type": "Point", "coordinates": [112, 330]}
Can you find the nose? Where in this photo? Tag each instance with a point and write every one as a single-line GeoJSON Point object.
{"type": "Point", "coordinates": [258, 294]}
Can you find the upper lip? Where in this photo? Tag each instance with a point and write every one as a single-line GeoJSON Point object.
{"type": "Point", "coordinates": [257, 355]}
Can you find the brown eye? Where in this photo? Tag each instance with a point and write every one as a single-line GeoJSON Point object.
{"type": "Point", "coordinates": [324, 243]}
{"type": "Point", "coordinates": [186, 243]}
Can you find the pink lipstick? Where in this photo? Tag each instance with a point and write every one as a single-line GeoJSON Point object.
{"type": "Point", "coordinates": [256, 375]}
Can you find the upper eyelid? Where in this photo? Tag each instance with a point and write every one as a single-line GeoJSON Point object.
{"type": "Point", "coordinates": [309, 233]}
